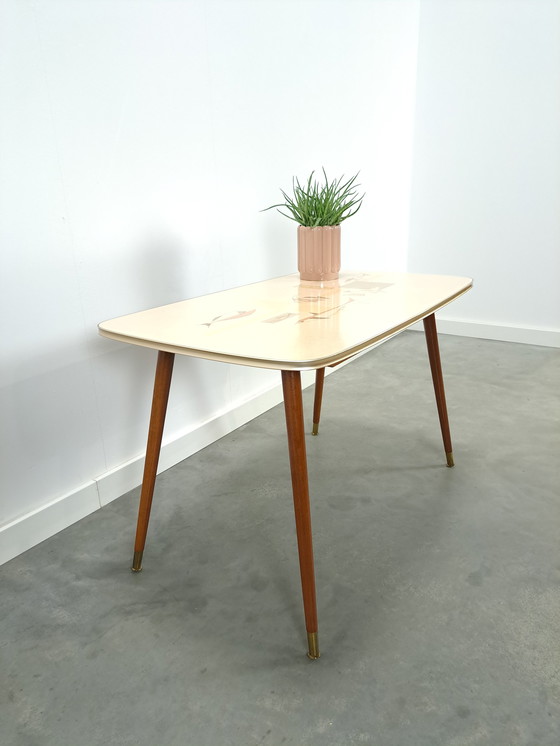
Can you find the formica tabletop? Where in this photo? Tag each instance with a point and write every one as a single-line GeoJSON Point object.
{"type": "Point", "coordinates": [288, 324]}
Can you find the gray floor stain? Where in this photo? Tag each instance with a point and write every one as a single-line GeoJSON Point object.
{"type": "Point", "coordinates": [477, 577]}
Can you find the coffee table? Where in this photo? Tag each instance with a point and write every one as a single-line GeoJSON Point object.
{"type": "Point", "coordinates": [291, 326]}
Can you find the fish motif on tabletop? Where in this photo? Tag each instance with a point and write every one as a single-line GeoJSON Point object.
{"type": "Point", "coordinates": [280, 317]}
{"type": "Point", "coordinates": [328, 314]}
{"type": "Point", "coordinates": [222, 317]}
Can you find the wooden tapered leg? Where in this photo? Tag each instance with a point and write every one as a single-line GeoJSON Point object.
{"type": "Point", "coordinates": [293, 404]}
{"type": "Point", "coordinates": [437, 376]}
{"type": "Point", "coordinates": [319, 381]}
{"type": "Point", "coordinates": [164, 370]}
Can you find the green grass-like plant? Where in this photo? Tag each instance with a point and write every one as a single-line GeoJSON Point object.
{"type": "Point", "coordinates": [317, 204]}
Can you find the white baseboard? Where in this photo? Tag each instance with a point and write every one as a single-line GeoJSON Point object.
{"type": "Point", "coordinates": [32, 528]}
{"type": "Point", "coordinates": [502, 333]}
{"type": "Point", "coordinates": [125, 477]}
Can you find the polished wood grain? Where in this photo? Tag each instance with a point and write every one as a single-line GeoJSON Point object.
{"type": "Point", "coordinates": [293, 405]}
{"type": "Point", "coordinates": [318, 399]}
{"type": "Point", "coordinates": [430, 330]}
{"type": "Point", "coordinates": [162, 383]}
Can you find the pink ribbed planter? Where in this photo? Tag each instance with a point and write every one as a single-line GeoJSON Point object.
{"type": "Point", "coordinates": [319, 252]}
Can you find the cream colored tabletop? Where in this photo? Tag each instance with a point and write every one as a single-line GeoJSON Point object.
{"type": "Point", "coordinates": [287, 324]}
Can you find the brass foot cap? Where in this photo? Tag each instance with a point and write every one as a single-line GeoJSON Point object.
{"type": "Point", "coordinates": [313, 645]}
{"type": "Point", "coordinates": [449, 457]}
{"type": "Point", "coordinates": [315, 430]}
{"type": "Point", "coordinates": [137, 562]}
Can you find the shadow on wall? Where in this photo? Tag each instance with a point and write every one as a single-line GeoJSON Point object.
{"type": "Point", "coordinates": [165, 269]}
{"type": "Point", "coordinates": [161, 270]}
{"type": "Point", "coordinates": [279, 247]}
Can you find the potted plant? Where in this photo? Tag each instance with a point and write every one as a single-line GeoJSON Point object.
{"type": "Point", "coordinates": [320, 209]}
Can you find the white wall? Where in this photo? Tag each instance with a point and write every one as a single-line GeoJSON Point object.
{"type": "Point", "coordinates": [486, 185]}
{"type": "Point", "coordinates": [139, 140]}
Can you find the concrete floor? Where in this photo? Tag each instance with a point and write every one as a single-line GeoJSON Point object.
{"type": "Point", "coordinates": [438, 589]}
